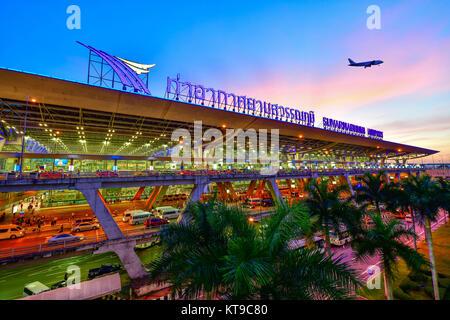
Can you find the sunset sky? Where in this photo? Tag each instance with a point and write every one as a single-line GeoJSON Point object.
{"type": "Point", "coordinates": [292, 53]}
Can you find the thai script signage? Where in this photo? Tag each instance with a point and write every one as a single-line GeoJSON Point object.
{"type": "Point", "coordinates": [220, 99]}
{"type": "Point", "coordinates": [199, 94]}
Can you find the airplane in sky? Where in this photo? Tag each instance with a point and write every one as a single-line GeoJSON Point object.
{"type": "Point", "coordinates": [366, 64]}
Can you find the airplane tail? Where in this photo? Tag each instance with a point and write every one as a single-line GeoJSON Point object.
{"type": "Point", "coordinates": [350, 60]}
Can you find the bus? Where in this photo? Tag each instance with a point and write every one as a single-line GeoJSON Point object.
{"type": "Point", "coordinates": [139, 217]}
{"type": "Point", "coordinates": [167, 212]}
{"type": "Point", "coordinates": [299, 244]}
{"type": "Point", "coordinates": [127, 214]}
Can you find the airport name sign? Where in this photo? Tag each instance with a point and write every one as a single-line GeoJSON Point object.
{"type": "Point", "coordinates": [196, 93]}
{"type": "Point", "coordinates": [199, 94]}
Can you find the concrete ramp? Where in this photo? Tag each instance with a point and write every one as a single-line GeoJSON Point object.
{"type": "Point", "coordinates": [88, 290]}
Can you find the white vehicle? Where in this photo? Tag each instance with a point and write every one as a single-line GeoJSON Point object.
{"type": "Point", "coordinates": [167, 212]}
{"type": "Point", "coordinates": [299, 244]}
{"type": "Point", "coordinates": [34, 288]}
{"type": "Point", "coordinates": [85, 226]}
{"type": "Point", "coordinates": [139, 217]}
{"type": "Point", "coordinates": [127, 214]}
{"type": "Point", "coordinates": [342, 239]}
{"type": "Point", "coordinates": [11, 231]}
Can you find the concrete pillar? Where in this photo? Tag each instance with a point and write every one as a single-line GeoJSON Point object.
{"type": "Point", "coordinates": [197, 192]}
{"type": "Point", "coordinates": [138, 194]}
{"type": "Point", "coordinates": [260, 189]}
{"type": "Point", "coordinates": [274, 190]}
{"type": "Point", "coordinates": [127, 255]}
{"type": "Point", "coordinates": [233, 194]}
{"type": "Point", "coordinates": [349, 183]}
{"type": "Point", "coordinates": [387, 178]}
{"type": "Point", "coordinates": [102, 212]}
{"type": "Point", "coordinates": [155, 196]}
{"type": "Point", "coordinates": [251, 188]}
{"type": "Point", "coordinates": [222, 191]}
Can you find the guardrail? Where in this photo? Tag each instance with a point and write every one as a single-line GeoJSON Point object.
{"type": "Point", "coordinates": [280, 173]}
{"type": "Point", "coordinates": [90, 240]}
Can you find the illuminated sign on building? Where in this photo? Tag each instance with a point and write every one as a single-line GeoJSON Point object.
{"type": "Point", "coordinates": [196, 93]}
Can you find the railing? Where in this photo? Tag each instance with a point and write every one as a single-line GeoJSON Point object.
{"type": "Point", "coordinates": [48, 247]}
{"type": "Point", "coordinates": [282, 172]}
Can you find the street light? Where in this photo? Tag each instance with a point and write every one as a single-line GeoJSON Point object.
{"type": "Point", "coordinates": [23, 135]}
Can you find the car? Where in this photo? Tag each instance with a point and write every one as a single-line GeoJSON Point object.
{"type": "Point", "coordinates": [85, 226]}
{"type": "Point", "coordinates": [104, 269]}
{"type": "Point", "coordinates": [408, 218]}
{"type": "Point", "coordinates": [140, 174]}
{"type": "Point", "coordinates": [52, 175]}
{"type": "Point", "coordinates": [267, 203]}
{"type": "Point", "coordinates": [34, 288]}
{"type": "Point", "coordinates": [86, 220]}
{"type": "Point", "coordinates": [64, 238]}
{"type": "Point", "coordinates": [60, 284]}
{"type": "Point", "coordinates": [107, 174]}
{"type": "Point", "coordinates": [156, 221]}
{"type": "Point", "coordinates": [183, 196]}
{"type": "Point", "coordinates": [11, 231]}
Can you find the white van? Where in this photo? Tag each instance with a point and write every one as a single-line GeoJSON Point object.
{"type": "Point", "coordinates": [11, 231]}
{"type": "Point", "coordinates": [139, 217]}
{"type": "Point", "coordinates": [34, 288]}
{"type": "Point", "coordinates": [127, 214]}
{"type": "Point", "coordinates": [167, 212]}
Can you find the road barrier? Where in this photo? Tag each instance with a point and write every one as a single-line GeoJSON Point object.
{"type": "Point", "coordinates": [90, 240]}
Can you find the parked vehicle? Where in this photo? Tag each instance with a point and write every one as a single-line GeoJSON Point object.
{"type": "Point", "coordinates": [34, 288]}
{"type": "Point", "coordinates": [85, 226]}
{"type": "Point", "coordinates": [85, 220]}
{"type": "Point", "coordinates": [167, 212]}
{"type": "Point", "coordinates": [267, 202]}
{"type": "Point", "coordinates": [107, 174]}
{"type": "Point", "coordinates": [300, 243]}
{"type": "Point", "coordinates": [155, 222]}
{"type": "Point", "coordinates": [64, 238]}
{"type": "Point", "coordinates": [340, 239]}
{"type": "Point", "coordinates": [408, 218]}
{"type": "Point", "coordinates": [254, 202]}
{"type": "Point", "coordinates": [52, 175]}
{"type": "Point", "coordinates": [127, 214]}
{"type": "Point", "coordinates": [104, 269]}
{"type": "Point", "coordinates": [139, 217]}
{"type": "Point", "coordinates": [59, 284]}
{"type": "Point", "coordinates": [11, 231]}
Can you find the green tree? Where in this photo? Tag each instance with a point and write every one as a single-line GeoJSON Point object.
{"type": "Point", "coordinates": [385, 238]}
{"type": "Point", "coordinates": [215, 250]}
{"type": "Point", "coordinates": [332, 212]}
{"type": "Point", "coordinates": [373, 190]}
{"type": "Point", "coordinates": [426, 197]}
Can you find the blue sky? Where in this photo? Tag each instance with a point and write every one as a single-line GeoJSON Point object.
{"type": "Point", "coordinates": [288, 52]}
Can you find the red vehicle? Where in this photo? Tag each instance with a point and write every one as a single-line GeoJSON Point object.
{"type": "Point", "coordinates": [155, 222]}
{"type": "Point", "coordinates": [52, 175]}
{"type": "Point", "coordinates": [183, 196]}
{"type": "Point", "coordinates": [187, 172]}
{"type": "Point", "coordinates": [212, 172]}
{"type": "Point", "coordinates": [107, 174]}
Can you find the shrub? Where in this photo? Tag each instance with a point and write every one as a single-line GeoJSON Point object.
{"type": "Point", "coordinates": [418, 277]}
{"type": "Point", "coordinates": [408, 285]}
{"type": "Point", "coordinates": [444, 283]}
{"type": "Point", "coordinates": [401, 295]}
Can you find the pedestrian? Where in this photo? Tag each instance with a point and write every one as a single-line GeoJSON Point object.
{"type": "Point", "coordinates": [39, 226]}
{"type": "Point", "coordinates": [61, 229]}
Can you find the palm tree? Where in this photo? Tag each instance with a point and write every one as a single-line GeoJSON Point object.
{"type": "Point", "coordinates": [373, 190]}
{"type": "Point", "coordinates": [384, 238]}
{"type": "Point", "coordinates": [426, 197]}
{"type": "Point", "coordinates": [217, 251]}
{"type": "Point", "coordinates": [332, 212]}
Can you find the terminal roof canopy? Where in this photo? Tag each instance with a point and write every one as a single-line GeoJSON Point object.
{"type": "Point", "coordinates": [71, 117]}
